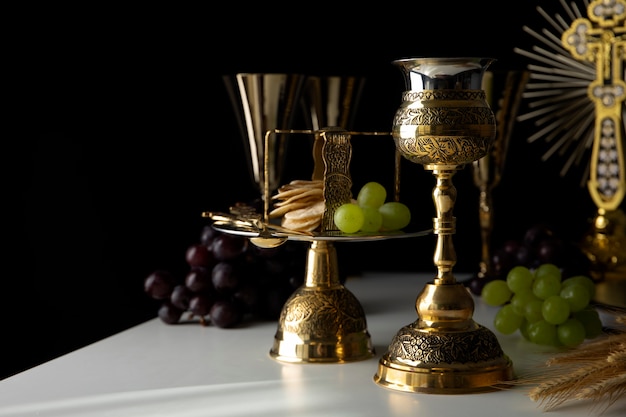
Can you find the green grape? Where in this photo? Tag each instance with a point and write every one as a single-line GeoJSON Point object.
{"type": "Point", "coordinates": [496, 293]}
{"type": "Point", "coordinates": [548, 270]}
{"type": "Point", "coordinates": [507, 321]}
{"type": "Point", "coordinates": [373, 220]}
{"type": "Point", "coordinates": [372, 194]}
{"type": "Point", "coordinates": [546, 285]}
{"type": "Point", "coordinates": [395, 215]}
{"type": "Point", "coordinates": [555, 310]}
{"type": "Point", "coordinates": [543, 333]}
{"type": "Point", "coordinates": [532, 311]}
{"type": "Point", "coordinates": [576, 295]}
{"type": "Point", "coordinates": [571, 332]}
{"type": "Point", "coordinates": [590, 320]}
{"type": "Point", "coordinates": [519, 278]}
{"type": "Point", "coordinates": [521, 298]}
{"type": "Point", "coordinates": [584, 280]}
{"type": "Point", "coordinates": [349, 218]}
{"type": "Point", "coordinates": [523, 329]}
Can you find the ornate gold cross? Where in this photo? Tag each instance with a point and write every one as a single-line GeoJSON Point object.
{"type": "Point", "coordinates": [601, 39]}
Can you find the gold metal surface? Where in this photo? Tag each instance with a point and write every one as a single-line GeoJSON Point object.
{"type": "Point", "coordinates": [443, 123]}
{"type": "Point", "coordinates": [487, 170]}
{"type": "Point", "coordinates": [262, 102]}
{"type": "Point", "coordinates": [322, 321]}
{"type": "Point", "coordinates": [600, 38]}
{"type": "Point", "coordinates": [605, 246]}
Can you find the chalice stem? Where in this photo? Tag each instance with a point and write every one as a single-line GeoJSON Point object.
{"type": "Point", "coordinates": [444, 225]}
{"type": "Point", "coordinates": [485, 216]}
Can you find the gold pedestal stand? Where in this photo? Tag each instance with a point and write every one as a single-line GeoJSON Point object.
{"type": "Point", "coordinates": [322, 321]}
{"type": "Point", "coordinates": [444, 123]}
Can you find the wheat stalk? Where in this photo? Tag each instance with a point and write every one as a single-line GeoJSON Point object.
{"type": "Point", "coordinates": [595, 371]}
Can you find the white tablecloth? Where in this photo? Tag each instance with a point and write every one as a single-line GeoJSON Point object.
{"type": "Point", "coordinates": [156, 369]}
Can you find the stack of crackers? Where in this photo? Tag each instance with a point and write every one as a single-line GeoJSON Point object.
{"type": "Point", "coordinates": [301, 205]}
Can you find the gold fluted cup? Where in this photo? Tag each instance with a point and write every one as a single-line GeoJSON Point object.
{"type": "Point", "coordinates": [444, 122]}
{"type": "Point", "coordinates": [487, 170]}
{"type": "Point", "coordinates": [265, 102]}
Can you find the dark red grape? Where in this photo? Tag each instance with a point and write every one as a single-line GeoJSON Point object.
{"type": "Point", "coordinates": [200, 304]}
{"type": "Point", "coordinates": [550, 250]}
{"type": "Point", "coordinates": [159, 284]}
{"type": "Point", "coordinates": [228, 247]}
{"type": "Point", "coordinates": [225, 277]}
{"type": "Point", "coordinates": [199, 279]}
{"type": "Point", "coordinates": [169, 313]}
{"type": "Point", "coordinates": [180, 297]}
{"type": "Point", "coordinates": [199, 256]}
{"type": "Point", "coordinates": [225, 314]}
{"type": "Point", "coordinates": [536, 233]}
{"type": "Point", "coordinates": [503, 260]}
{"type": "Point", "coordinates": [525, 256]}
{"type": "Point", "coordinates": [207, 235]}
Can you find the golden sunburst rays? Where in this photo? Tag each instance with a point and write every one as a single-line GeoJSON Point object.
{"type": "Point", "coordinates": [557, 96]}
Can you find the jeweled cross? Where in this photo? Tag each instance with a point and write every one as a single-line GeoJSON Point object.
{"type": "Point", "coordinates": [601, 39]}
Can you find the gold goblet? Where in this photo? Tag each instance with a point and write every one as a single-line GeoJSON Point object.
{"type": "Point", "coordinates": [264, 102]}
{"type": "Point", "coordinates": [444, 123]}
{"type": "Point", "coordinates": [487, 170]}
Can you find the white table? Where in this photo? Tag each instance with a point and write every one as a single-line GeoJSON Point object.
{"type": "Point", "coordinates": [155, 369]}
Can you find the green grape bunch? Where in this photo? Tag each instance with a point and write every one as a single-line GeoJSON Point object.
{"type": "Point", "coordinates": [546, 309]}
{"type": "Point", "coordinates": [371, 212]}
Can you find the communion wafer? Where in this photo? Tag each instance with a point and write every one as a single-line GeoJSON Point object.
{"type": "Point", "coordinates": [310, 193]}
{"type": "Point", "coordinates": [297, 191]}
{"type": "Point", "coordinates": [305, 219]}
{"type": "Point", "coordinates": [288, 208]}
{"type": "Point", "coordinates": [300, 225]}
{"type": "Point", "coordinates": [313, 210]}
{"type": "Point", "coordinates": [298, 184]}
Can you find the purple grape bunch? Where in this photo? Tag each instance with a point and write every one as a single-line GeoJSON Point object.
{"type": "Point", "coordinates": [540, 244]}
{"type": "Point", "coordinates": [229, 280]}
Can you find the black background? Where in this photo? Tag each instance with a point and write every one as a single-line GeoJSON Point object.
{"type": "Point", "coordinates": [122, 134]}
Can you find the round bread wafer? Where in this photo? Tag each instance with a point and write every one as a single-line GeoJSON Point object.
{"type": "Point", "coordinates": [287, 208]}
{"type": "Point", "coordinates": [309, 195]}
{"type": "Point", "coordinates": [305, 219]}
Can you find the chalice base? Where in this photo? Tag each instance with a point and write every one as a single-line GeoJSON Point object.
{"type": "Point", "coordinates": [322, 325]}
{"type": "Point", "coordinates": [448, 362]}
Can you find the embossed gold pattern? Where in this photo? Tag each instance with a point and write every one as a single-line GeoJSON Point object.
{"type": "Point", "coordinates": [322, 321]}
{"type": "Point", "coordinates": [443, 126]}
{"type": "Point", "coordinates": [412, 346]}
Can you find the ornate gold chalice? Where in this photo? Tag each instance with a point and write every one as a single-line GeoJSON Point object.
{"type": "Point", "coordinates": [444, 123]}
